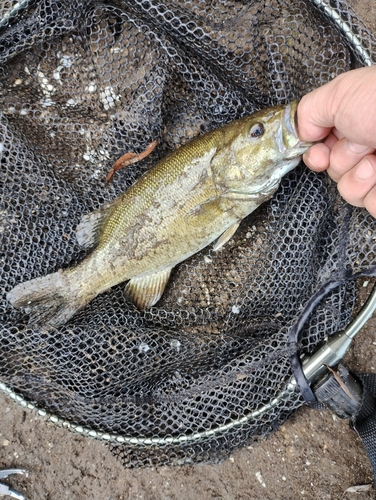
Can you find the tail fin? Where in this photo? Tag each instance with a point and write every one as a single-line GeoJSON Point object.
{"type": "Point", "coordinates": [49, 300]}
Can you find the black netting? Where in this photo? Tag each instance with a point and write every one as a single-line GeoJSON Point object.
{"type": "Point", "coordinates": [81, 83]}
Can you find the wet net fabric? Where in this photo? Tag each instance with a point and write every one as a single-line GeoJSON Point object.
{"type": "Point", "coordinates": [81, 83]}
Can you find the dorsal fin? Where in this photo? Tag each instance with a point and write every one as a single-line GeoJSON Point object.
{"type": "Point", "coordinates": [145, 291]}
{"type": "Point", "coordinates": [89, 229]}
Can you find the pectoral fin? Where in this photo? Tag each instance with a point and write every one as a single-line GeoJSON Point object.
{"type": "Point", "coordinates": [225, 236]}
{"type": "Point", "coordinates": [144, 292]}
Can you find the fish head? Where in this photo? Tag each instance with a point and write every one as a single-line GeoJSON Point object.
{"type": "Point", "coordinates": [263, 149]}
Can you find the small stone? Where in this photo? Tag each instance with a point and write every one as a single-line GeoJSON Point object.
{"type": "Point", "coordinates": [260, 479]}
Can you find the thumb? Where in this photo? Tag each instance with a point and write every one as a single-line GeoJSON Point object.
{"type": "Point", "coordinates": [315, 115]}
{"type": "Point", "coordinates": [346, 103]}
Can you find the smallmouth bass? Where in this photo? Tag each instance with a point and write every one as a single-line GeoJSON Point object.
{"type": "Point", "coordinates": [197, 194]}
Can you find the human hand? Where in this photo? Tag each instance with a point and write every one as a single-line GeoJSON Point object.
{"type": "Point", "coordinates": [343, 113]}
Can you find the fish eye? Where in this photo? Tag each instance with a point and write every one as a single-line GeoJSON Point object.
{"type": "Point", "coordinates": [257, 130]}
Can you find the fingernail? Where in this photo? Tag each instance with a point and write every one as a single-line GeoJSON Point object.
{"type": "Point", "coordinates": [364, 170]}
{"type": "Point", "coordinates": [357, 148]}
{"type": "Point", "coordinates": [307, 160]}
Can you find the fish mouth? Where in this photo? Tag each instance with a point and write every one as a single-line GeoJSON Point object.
{"type": "Point", "coordinates": [288, 140]}
{"type": "Point", "coordinates": [289, 145]}
{"type": "Point", "coordinates": [290, 118]}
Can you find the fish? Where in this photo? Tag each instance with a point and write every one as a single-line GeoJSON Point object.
{"type": "Point", "coordinates": [196, 195]}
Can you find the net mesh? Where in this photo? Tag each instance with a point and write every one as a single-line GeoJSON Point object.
{"type": "Point", "coordinates": [81, 83]}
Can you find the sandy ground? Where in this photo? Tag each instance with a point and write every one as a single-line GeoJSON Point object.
{"type": "Point", "coordinates": [313, 456]}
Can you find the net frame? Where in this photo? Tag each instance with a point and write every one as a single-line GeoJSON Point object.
{"type": "Point", "coordinates": [239, 430]}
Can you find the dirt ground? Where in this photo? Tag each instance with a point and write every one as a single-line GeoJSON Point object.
{"type": "Point", "coordinates": [313, 456]}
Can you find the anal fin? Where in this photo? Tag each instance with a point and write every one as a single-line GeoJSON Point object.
{"type": "Point", "coordinates": [145, 291]}
{"type": "Point", "coordinates": [225, 236]}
